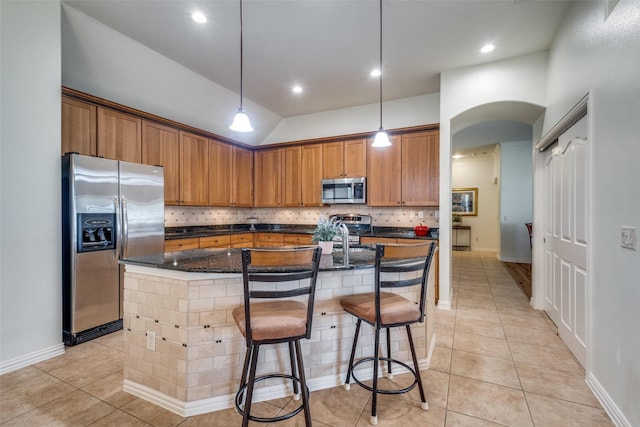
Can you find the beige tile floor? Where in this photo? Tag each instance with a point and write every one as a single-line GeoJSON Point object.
{"type": "Point", "coordinates": [497, 361]}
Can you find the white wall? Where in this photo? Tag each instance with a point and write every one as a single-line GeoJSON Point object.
{"type": "Point", "coordinates": [414, 111]}
{"type": "Point", "coordinates": [102, 62]}
{"type": "Point", "coordinates": [601, 57]}
{"type": "Point", "coordinates": [478, 172]}
{"type": "Point", "coordinates": [521, 79]}
{"type": "Point", "coordinates": [30, 254]}
{"type": "Point", "coordinates": [516, 201]}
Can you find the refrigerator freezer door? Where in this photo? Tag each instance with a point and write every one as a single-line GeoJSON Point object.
{"type": "Point", "coordinates": [141, 213]}
{"type": "Point", "coordinates": [90, 279]}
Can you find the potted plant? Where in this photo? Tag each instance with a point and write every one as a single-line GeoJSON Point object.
{"type": "Point", "coordinates": [324, 233]}
{"type": "Point", "coordinates": [456, 219]}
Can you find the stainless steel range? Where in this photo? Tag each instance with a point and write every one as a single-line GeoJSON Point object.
{"type": "Point", "coordinates": [358, 224]}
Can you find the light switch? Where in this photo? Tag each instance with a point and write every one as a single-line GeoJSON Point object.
{"type": "Point", "coordinates": [628, 237]}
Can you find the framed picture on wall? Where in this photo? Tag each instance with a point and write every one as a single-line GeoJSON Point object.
{"type": "Point", "coordinates": [464, 201]}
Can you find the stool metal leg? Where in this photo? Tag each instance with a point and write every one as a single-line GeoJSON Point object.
{"type": "Point", "coordinates": [347, 385]}
{"type": "Point", "coordinates": [303, 386]}
{"type": "Point", "coordinates": [374, 398]}
{"type": "Point", "coordinates": [245, 368]}
{"type": "Point", "coordinates": [389, 373]}
{"type": "Point", "coordinates": [424, 405]}
{"type": "Point", "coordinates": [296, 393]}
{"type": "Point", "coordinates": [251, 382]}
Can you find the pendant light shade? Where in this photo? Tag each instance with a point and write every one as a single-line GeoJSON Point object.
{"type": "Point", "coordinates": [381, 140]}
{"type": "Point", "coordinates": [241, 121]}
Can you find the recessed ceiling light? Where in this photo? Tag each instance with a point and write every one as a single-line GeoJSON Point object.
{"type": "Point", "coordinates": [376, 73]}
{"type": "Point", "coordinates": [487, 48]}
{"type": "Point", "coordinates": [199, 17]}
{"type": "Point", "coordinates": [296, 89]}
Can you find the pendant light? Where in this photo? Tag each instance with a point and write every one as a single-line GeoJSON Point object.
{"type": "Point", "coordinates": [381, 139]}
{"type": "Point", "coordinates": [241, 121]}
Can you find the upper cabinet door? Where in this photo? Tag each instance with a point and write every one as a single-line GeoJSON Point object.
{"type": "Point", "coordinates": [291, 176]}
{"type": "Point", "coordinates": [311, 180]}
{"type": "Point", "coordinates": [384, 186]}
{"type": "Point", "coordinates": [119, 136]}
{"type": "Point", "coordinates": [345, 159]}
{"type": "Point", "coordinates": [333, 156]}
{"type": "Point", "coordinates": [355, 158]}
{"type": "Point", "coordinates": [421, 169]}
{"type": "Point", "coordinates": [79, 127]}
{"type": "Point", "coordinates": [194, 169]}
{"type": "Point", "coordinates": [267, 178]}
{"type": "Point", "coordinates": [242, 177]}
{"type": "Point", "coordinates": [220, 174]}
{"type": "Point", "coordinates": [161, 146]}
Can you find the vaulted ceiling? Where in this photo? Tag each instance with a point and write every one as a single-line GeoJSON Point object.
{"type": "Point", "coordinates": [329, 47]}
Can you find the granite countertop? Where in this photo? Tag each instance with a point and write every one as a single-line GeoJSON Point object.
{"type": "Point", "coordinates": [172, 233]}
{"type": "Point", "coordinates": [230, 261]}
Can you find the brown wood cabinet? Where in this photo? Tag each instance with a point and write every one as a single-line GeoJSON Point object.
{"type": "Point", "coordinates": [79, 127]}
{"type": "Point", "coordinates": [302, 175]}
{"type": "Point", "coordinates": [194, 169]}
{"type": "Point", "coordinates": [181, 244]}
{"type": "Point", "coordinates": [242, 240]}
{"type": "Point", "coordinates": [119, 136]}
{"type": "Point", "coordinates": [344, 159]}
{"type": "Point", "coordinates": [161, 146]}
{"type": "Point", "coordinates": [384, 186]}
{"type": "Point", "coordinates": [267, 178]}
{"type": "Point", "coordinates": [268, 239]}
{"type": "Point", "coordinates": [242, 177]}
{"type": "Point", "coordinates": [373, 240]}
{"type": "Point", "coordinates": [221, 241]}
{"type": "Point", "coordinates": [421, 169]}
{"type": "Point", "coordinates": [296, 239]}
{"type": "Point", "coordinates": [311, 181]}
{"type": "Point", "coordinates": [405, 174]}
{"type": "Point", "coordinates": [230, 175]}
{"type": "Point", "coordinates": [291, 176]}
{"type": "Point", "coordinates": [220, 173]}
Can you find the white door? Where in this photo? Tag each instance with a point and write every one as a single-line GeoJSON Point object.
{"type": "Point", "coordinates": [566, 178]}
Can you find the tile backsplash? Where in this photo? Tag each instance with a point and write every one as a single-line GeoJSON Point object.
{"type": "Point", "coordinates": [181, 216]}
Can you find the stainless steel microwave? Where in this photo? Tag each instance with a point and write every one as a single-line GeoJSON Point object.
{"type": "Point", "coordinates": [344, 190]}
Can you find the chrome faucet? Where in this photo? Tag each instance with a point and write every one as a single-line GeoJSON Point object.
{"type": "Point", "coordinates": [345, 243]}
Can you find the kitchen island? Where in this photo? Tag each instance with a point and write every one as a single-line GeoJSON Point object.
{"type": "Point", "coordinates": [184, 352]}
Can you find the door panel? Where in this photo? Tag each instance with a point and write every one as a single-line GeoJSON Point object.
{"type": "Point", "coordinates": [566, 178]}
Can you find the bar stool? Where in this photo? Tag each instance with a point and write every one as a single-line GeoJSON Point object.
{"type": "Point", "coordinates": [281, 317]}
{"type": "Point", "coordinates": [385, 310]}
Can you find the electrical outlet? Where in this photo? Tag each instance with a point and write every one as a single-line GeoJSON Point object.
{"type": "Point", "coordinates": [151, 341]}
{"type": "Point", "coordinates": [628, 237]}
{"type": "Point", "coordinates": [420, 214]}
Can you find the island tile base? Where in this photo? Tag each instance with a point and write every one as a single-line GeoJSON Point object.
{"type": "Point", "coordinates": [194, 364]}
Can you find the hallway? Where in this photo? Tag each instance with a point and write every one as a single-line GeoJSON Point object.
{"type": "Point", "coordinates": [496, 362]}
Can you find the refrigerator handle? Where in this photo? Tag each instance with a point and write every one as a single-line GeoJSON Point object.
{"type": "Point", "coordinates": [118, 249]}
{"type": "Point", "coordinates": [125, 228]}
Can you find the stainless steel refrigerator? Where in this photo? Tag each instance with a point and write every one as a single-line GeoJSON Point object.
{"type": "Point", "coordinates": [110, 209]}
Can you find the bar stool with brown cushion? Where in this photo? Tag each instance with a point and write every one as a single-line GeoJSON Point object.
{"type": "Point", "coordinates": [283, 280]}
{"type": "Point", "coordinates": [409, 267]}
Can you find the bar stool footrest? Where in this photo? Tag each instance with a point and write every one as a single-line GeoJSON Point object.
{"type": "Point", "coordinates": [286, 416]}
{"type": "Point", "coordinates": [380, 390]}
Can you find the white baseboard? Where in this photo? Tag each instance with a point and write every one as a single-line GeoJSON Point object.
{"type": "Point", "coordinates": [31, 358]}
{"type": "Point", "coordinates": [518, 260]}
{"type": "Point", "coordinates": [607, 403]}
